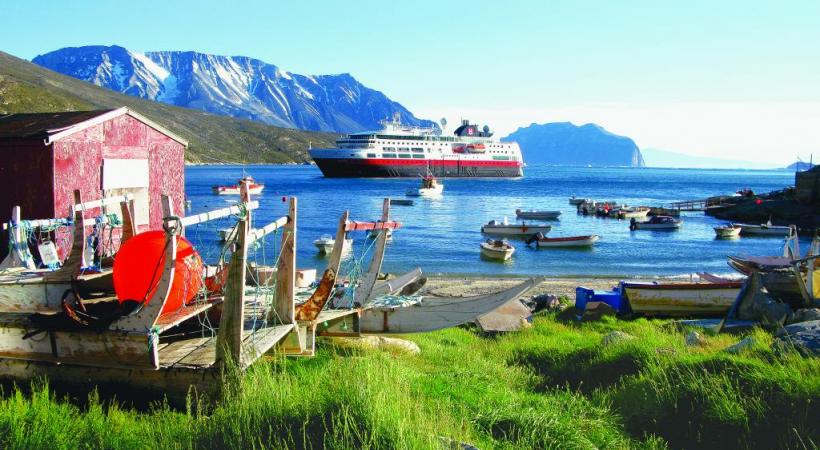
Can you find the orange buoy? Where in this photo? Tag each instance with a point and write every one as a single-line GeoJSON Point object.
{"type": "Point", "coordinates": [138, 269]}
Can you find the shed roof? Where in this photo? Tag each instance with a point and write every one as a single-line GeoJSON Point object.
{"type": "Point", "coordinates": [57, 125]}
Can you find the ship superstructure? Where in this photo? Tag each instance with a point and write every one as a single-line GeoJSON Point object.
{"type": "Point", "coordinates": [403, 151]}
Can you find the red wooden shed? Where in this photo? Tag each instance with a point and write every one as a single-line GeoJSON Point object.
{"type": "Point", "coordinates": [44, 157]}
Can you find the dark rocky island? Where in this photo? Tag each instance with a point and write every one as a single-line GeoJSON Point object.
{"type": "Point", "coordinates": [563, 143]}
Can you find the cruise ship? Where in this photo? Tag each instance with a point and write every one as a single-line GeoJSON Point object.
{"type": "Point", "coordinates": [403, 151]}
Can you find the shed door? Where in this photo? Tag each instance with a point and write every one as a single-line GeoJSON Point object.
{"type": "Point", "coordinates": [124, 176]}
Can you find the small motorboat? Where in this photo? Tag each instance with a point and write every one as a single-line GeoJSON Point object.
{"type": "Point", "coordinates": [226, 233]}
{"type": "Point", "coordinates": [656, 223]}
{"type": "Point", "coordinates": [430, 187]}
{"type": "Point", "coordinates": [569, 241]}
{"type": "Point", "coordinates": [503, 228]}
{"type": "Point", "coordinates": [764, 229]}
{"type": "Point", "coordinates": [633, 212]}
{"type": "Point", "coordinates": [401, 201]}
{"type": "Point", "coordinates": [254, 188]}
{"type": "Point", "coordinates": [575, 201]}
{"type": "Point", "coordinates": [326, 242]}
{"type": "Point", "coordinates": [728, 231]}
{"type": "Point", "coordinates": [537, 215]}
{"type": "Point", "coordinates": [497, 249]}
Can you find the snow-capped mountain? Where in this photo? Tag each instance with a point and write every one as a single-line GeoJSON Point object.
{"type": "Point", "coordinates": [235, 86]}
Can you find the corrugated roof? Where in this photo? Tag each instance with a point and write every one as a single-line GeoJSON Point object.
{"type": "Point", "coordinates": [43, 124]}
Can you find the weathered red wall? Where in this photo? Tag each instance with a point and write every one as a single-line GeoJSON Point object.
{"type": "Point", "coordinates": [79, 158]}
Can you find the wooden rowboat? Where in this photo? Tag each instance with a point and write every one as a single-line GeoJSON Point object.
{"type": "Point", "coordinates": [514, 230]}
{"type": "Point", "coordinates": [494, 249]}
{"type": "Point", "coordinates": [681, 299]}
{"type": "Point", "coordinates": [765, 229]}
{"type": "Point", "coordinates": [254, 188]}
{"type": "Point", "coordinates": [728, 231]}
{"type": "Point", "coordinates": [570, 241]}
{"type": "Point", "coordinates": [537, 215]}
{"type": "Point", "coordinates": [436, 313]}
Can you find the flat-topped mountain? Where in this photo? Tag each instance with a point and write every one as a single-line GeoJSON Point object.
{"type": "Point", "coordinates": [563, 143]}
{"type": "Point", "coordinates": [235, 86]}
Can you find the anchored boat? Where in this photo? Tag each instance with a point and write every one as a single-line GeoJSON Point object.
{"type": "Point", "coordinates": [537, 215]}
{"type": "Point", "coordinates": [656, 223]}
{"type": "Point", "coordinates": [430, 187]}
{"type": "Point", "coordinates": [496, 228]}
{"type": "Point", "coordinates": [765, 229]}
{"type": "Point", "coordinates": [570, 241]}
{"type": "Point", "coordinates": [325, 244]}
{"type": "Point", "coordinates": [497, 249]}
{"type": "Point", "coordinates": [254, 188]}
{"type": "Point", "coordinates": [729, 231]}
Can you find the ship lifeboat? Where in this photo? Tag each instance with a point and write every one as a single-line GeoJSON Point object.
{"type": "Point", "coordinates": [476, 148]}
{"type": "Point", "coordinates": [459, 148]}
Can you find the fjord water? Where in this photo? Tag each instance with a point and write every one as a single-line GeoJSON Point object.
{"type": "Point", "coordinates": [443, 236]}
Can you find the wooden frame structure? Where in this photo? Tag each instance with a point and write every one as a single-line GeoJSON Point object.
{"type": "Point", "coordinates": [23, 288]}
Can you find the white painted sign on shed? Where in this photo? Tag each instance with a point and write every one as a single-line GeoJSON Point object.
{"type": "Point", "coordinates": [125, 173]}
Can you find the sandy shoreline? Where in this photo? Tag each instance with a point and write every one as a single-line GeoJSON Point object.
{"type": "Point", "coordinates": [459, 285]}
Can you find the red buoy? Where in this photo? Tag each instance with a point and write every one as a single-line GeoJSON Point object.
{"type": "Point", "coordinates": [138, 269]}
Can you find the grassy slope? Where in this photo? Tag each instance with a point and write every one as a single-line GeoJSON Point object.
{"type": "Point", "coordinates": [27, 87]}
{"type": "Point", "coordinates": [552, 386]}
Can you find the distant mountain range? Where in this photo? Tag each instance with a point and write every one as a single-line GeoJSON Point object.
{"type": "Point", "coordinates": [563, 143]}
{"type": "Point", "coordinates": [663, 158]}
{"type": "Point", "coordinates": [26, 87]}
{"type": "Point", "coordinates": [235, 86]}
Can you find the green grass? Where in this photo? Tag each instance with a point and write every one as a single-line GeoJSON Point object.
{"type": "Point", "coordinates": [551, 386]}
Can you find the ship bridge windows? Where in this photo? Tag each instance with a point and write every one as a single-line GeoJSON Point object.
{"type": "Point", "coordinates": [418, 150]}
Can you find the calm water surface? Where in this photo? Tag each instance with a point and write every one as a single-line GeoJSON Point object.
{"type": "Point", "coordinates": [443, 236]}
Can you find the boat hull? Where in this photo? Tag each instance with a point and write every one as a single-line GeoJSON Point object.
{"type": "Point", "coordinates": [758, 230]}
{"type": "Point", "coordinates": [577, 241]}
{"type": "Point", "coordinates": [727, 233]}
{"type": "Point", "coordinates": [694, 299]}
{"type": "Point", "coordinates": [388, 168]}
{"type": "Point", "coordinates": [538, 215]}
{"type": "Point", "coordinates": [657, 226]}
{"type": "Point", "coordinates": [497, 254]}
{"type": "Point", "coordinates": [515, 230]}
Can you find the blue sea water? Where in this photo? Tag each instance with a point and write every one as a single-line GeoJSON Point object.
{"type": "Point", "coordinates": [443, 236]}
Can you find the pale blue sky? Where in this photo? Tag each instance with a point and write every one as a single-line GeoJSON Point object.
{"type": "Point", "coordinates": [736, 79]}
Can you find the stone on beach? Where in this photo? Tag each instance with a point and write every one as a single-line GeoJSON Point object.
{"type": "Point", "coordinates": [695, 339]}
{"type": "Point", "coordinates": [804, 337]}
{"type": "Point", "coordinates": [616, 337]}
{"type": "Point", "coordinates": [744, 345]}
{"type": "Point", "coordinates": [392, 345]}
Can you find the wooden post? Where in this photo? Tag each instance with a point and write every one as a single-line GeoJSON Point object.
{"type": "Point", "coordinates": [313, 306]}
{"type": "Point", "coordinates": [129, 227]}
{"type": "Point", "coordinates": [369, 281]}
{"type": "Point", "coordinates": [232, 322]}
{"type": "Point", "coordinates": [76, 257]}
{"type": "Point", "coordinates": [286, 270]}
{"type": "Point", "coordinates": [19, 256]}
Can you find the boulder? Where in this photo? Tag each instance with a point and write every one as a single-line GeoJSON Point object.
{"type": "Point", "coordinates": [547, 302]}
{"type": "Point", "coordinates": [758, 305]}
{"type": "Point", "coordinates": [616, 337]}
{"type": "Point", "coordinates": [805, 315]}
{"type": "Point", "coordinates": [744, 345]}
{"type": "Point", "coordinates": [392, 345]}
{"type": "Point", "coordinates": [695, 339]}
{"type": "Point", "coordinates": [804, 337]}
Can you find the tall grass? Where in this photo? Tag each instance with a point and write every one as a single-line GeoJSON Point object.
{"type": "Point", "coordinates": [554, 385]}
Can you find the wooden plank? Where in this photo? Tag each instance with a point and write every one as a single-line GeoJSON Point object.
{"type": "Point", "coordinates": [172, 319]}
{"type": "Point", "coordinates": [310, 309]}
{"type": "Point", "coordinates": [259, 233]}
{"type": "Point", "coordinates": [32, 295]}
{"type": "Point", "coordinates": [76, 257]}
{"type": "Point", "coordinates": [85, 206]}
{"type": "Point", "coordinates": [129, 228]}
{"type": "Point", "coordinates": [229, 337]}
{"type": "Point", "coordinates": [366, 285]}
{"type": "Point", "coordinates": [284, 309]}
{"type": "Point", "coordinates": [217, 214]}
{"type": "Point", "coordinates": [259, 342]}
{"type": "Point", "coordinates": [121, 350]}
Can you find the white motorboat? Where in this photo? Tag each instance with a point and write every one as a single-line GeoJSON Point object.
{"type": "Point", "coordinates": [639, 212]}
{"type": "Point", "coordinates": [537, 215]}
{"type": "Point", "coordinates": [254, 188]}
{"type": "Point", "coordinates": [513, 230]}
{"type": "Point", "coordinates": [569, 241]}
{"type": "Point", "coordinates": [430, 187]}
{"type": "Point", "coordinates": [326, 242]}
{"type": "Point", "coordinates": [656, 223]}
{"type": "Point", "coordinates": [497, 249]}
{"type": "Point", "coordinates": [729, 231]}
{"type": "Point", "coordinates": [764, 229]}
{"type": "Point", "coordinates": [373, 234]}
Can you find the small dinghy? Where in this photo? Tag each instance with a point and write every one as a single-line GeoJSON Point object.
{"type": "Point", "coordinates": [764, 229]}
{"type": "Point", "coordinates": [325, 244]}
{"type": "Point", "coordinates": [729, 231]}
{"type": "Point", "coordinates": [633, 212]}
{"type": "Point", "coordinates": [537, 215]}
{"type": "Point", "coordinates": [681, 299]}
{"type": "Point", "coordinates": [570, 241]}
{"type": "Point", "coordinates": [254, 188]}
{"type": "Point", "coordinates": [373, 234]}
{"type": "Point", "coordinates": [497, 228]}
{"type": "Point", "coordinates": [430, 187]}
{"type": "Point", "coordinates": [401, 201]}
{"type": "Point", "coordinates": [500, 250]}
{"type": "Point", "coordinates": [656, 223]}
